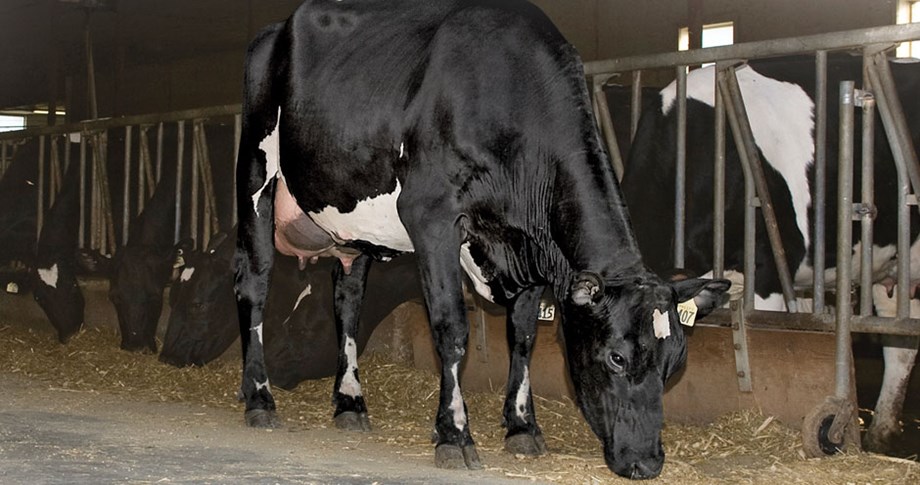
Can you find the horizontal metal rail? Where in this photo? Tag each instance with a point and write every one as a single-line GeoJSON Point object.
{"type": "Point", "coordinates": [808, 322]}
{"type": "Point", "coordinates": [767, 48]}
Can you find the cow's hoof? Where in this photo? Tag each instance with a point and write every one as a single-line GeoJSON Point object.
{"type": "Point", "coordinates": [525, 444]}
{"type": "Point", "coordinates": [879, 442]}
{"type": "Point", "coordinates": [262, 418]}
{"type": "Point", "coordinates": [352, 421]}
{"type": "Point", "coordinates": [453, 457]}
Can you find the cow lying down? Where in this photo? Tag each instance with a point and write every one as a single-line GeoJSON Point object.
{"type": "Point", "coordinates": [462, 131]}
{"type": "Point", "coordinates": [299, 331]}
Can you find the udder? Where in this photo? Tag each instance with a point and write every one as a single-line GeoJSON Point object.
{"type": "Point", "coordinates": [297, 235]}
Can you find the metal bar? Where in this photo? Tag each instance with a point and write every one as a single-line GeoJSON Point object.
{"type": "Point", "coordinates": [126, 188]}
{"type": "Point", "coordinates": [40, 215]}
{"type": "Point", "coordinates": [740, 343]}
{"type": "Point", "coordinates": [54, 180]}
{"type": "Point", "coordinates": [81, 236]}
{"type": "Point", "coordinates": [2, 158]}
{"type": "Point", "coordinates": [635, 107]}
{"type": "Point", "coordinates": [122, 121]}
{"type": "Point", "coordinates": [179, 154]}
{"type": "Point", "coordinates": [747, 144]}
{"type": "Point", "coordinates": [718, 184]}
{"type": "Point", "coordinates": [194, 228]}
{"type": "Point", "coordinates": [602, 110]}
{"type": "Point", "coordinates": [886, 101]}
{"type": "Point", "coordinates": [867, 203]}
{"type": "Point", "coordinates": [820, 182]}
{"type": "Point", "coordinates": [750, 198]}
{"type": "Point", "coordinates": [159, 151]}
{"type": "Point", "coordinates": [680, 170]}
{"type": "Point", "coordinates": [212, 225]}
{"type": "Point", "coordinates": [237, 134]}
{"type": "Point", "coordinates": [886, 82]}
{"type": "Point", "coordinates": [768, 48]}
{"type": "Point", "coordinates": [844, 239]}
{"type": "Point", "coordinates": [807, 322]}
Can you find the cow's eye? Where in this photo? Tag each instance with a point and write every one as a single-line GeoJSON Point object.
{"type": "Point", "coordinates": [616, 362]}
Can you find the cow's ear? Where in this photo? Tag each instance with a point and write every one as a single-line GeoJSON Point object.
{"type": "Point", "coordinates": [706, 294]}
{"type": "Point", "coordinates": [587, 288]}
{"type": "Point", "coordinates": [92, 261]}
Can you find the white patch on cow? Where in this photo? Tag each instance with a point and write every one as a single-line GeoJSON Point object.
{"type": "Point", "coordinates": [456, 402]}
{"type": "Point", "coordinates": [186, 274]}
{"type": "Point", "coordinates": [774, 303]}
{"type": "Point", "coordinates": [661, 323]}
{"type": "Point", "coordinates": [782, 120]}
{"type": "Point", "coordinates": [350, 385]}
{"type": "Point", "coordinates": [374, 220]}
{"type": "Point", "coordinates": [272, 150]}
{"type": "Point", "coordinates": [474, 272]}
{"type": "Point", "coordinates": [258, 330]}
{"type": "Point", "coordinates": [899, 361]}
{"type": "Point", "coordinates": [262, 385]}
{"type": "Point", "coordinates": [402, 149]}
{"type": "Point", "coordinates": [520, 401]}
{"type": "Point", "coordinates": [49, 276]}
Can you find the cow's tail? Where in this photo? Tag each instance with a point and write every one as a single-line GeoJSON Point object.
{"type": "Point", "coordinates": [258, 164]}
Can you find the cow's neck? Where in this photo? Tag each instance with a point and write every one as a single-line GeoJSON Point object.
{"type": "Point", "coordinates": [590, 224]}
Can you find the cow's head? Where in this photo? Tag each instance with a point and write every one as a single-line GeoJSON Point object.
{"type": "Point", "coordinates": [623, 342]}
{"type": "Point", "coordinates": [55, 289]}
{"type": "Point", "coordinates": [202, 319]}
{"type": "Point", "coordinates": [137, 277]}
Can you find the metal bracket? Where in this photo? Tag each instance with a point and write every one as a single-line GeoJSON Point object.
{"type": "Point", "coordinates": [740, 341]}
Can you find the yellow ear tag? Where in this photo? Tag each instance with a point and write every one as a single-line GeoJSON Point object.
{"type": "Point", "coordinates": [661, 324]}
{"type": "Point", "coordinates": [686, 311]}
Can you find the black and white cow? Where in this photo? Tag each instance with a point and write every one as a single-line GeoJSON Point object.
{"type": "Point", "coordinates": [54, 267]}
{"type": "Point", "coordinates": [299, 330]}
{"type": "Point", "coordinates": [778, 98]}
{"type": "Point", "coordinates": [460, 130]}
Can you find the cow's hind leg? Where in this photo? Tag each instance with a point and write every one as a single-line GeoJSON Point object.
{"type": "Point", "coordinates": [899, 353]}
{"type": "Point", "coordinates": [524, 435]}
{"type": "Point", "coordinates": [350, 409]}
{"type": "Point", "coordinates": [436, 239]}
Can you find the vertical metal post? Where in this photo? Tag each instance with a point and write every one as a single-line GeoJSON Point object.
{"type": "Point", "coordinates": [67, 143]}
{"type": "Point", "coordinates": [143, 165]}
{"type": "Point", "coordinates": [237, 134]}
{"type": "Point", "coordinates": [81, 236]}
{"type": "Point", "coordinates": [752, 158]}
{"type": "Point", "coordinates": [126, 199]}
{"type": "Point", "coordinates": [844, 239]}
{"type": "Point", "coordinates": [179, 154]}
{"type": "Point", "coordinates": [904, 157]}
{"type": "Point", "coordinates": [680, 171]}
{"type": "Point", "coordinates": [635, 107]}
{"type": "Point", "coordinates": [866, 209]}
{"type": "Point", "coordinates": [602, 112]}
{"type": "Point", "coordinates": [194, 228]}
{"type": "Point", "coordinates": [2, 158]}
{"type": "Point", "coordinates": [40, 215]}
{"type": "Point", "coordinates": [159, 150]}
{"type": "Point", "coordinates": [819, 236]}
{"type": "Point", "coordinates": [718, 184]}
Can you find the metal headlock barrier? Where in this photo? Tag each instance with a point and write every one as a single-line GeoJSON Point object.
{"type": "Point", "coordinates": [878, 92]}
{"type": "Point", "coordinates": [142, 170]}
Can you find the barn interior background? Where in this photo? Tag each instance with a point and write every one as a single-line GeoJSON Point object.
{"type": "Point", "coordinates": [65, 61]}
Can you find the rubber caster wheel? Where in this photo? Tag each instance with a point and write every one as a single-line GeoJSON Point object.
{"type": "Point", "coordinates": [817, 439]}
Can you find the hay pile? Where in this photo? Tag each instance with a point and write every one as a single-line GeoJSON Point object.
{"type": "Point", "coordinates": [739, 448]}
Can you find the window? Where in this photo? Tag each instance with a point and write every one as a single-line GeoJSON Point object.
{"type": "Point", "coordinates": [722, 33]}
{"type": "Point", "coordinates": [909, 12]}
{"type": "Point", "coordinates": [10, 123]}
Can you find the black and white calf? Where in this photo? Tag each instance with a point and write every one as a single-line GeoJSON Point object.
{"type": "Point", "coordinates": [461, 131]}
{"type": "Point", "coordinates": [778, 98]}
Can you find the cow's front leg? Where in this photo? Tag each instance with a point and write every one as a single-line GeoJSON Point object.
{"type": "Point", "coordinates": [348, 287]}
{"type": "Point", "coordinates": [524, 435]}
{"type": "Point", "coordinates": [436, 240]}
{"type": "Point", "coordinates": [899, 353]}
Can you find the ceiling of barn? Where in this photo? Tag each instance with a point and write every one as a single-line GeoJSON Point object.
{"type": "Point", "coordinates": [35, 34]}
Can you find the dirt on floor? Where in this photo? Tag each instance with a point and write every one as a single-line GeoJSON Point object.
{"type": "Point", "coordinates": [89, 412]}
